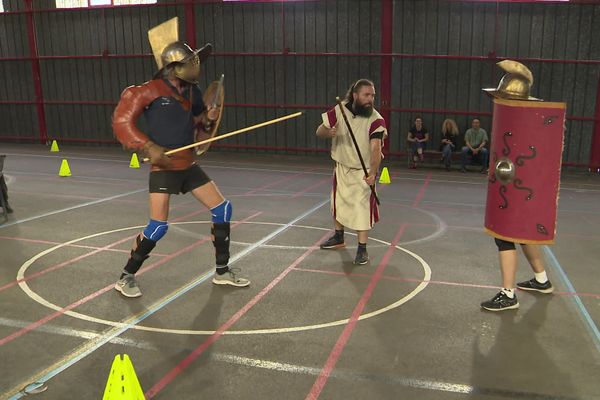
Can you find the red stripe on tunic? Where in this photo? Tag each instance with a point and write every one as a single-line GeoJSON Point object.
{"type": "Point", "coordinates": [378, 123]}
{"type": "Point", "coordinates": [373, 210]}
{"type": "Point", "coordinates": [334, 193]}
{"type": "Point", "coordinates": [331, 115]}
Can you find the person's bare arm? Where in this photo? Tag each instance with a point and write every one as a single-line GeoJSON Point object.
{"type": "Point", "coordinates": [324, 132]}
{"type": "Point", "coordinates": [375, 161]}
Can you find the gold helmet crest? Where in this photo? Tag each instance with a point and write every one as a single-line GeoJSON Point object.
{"type": "Point", "coordinates": [515, 84]}
{"type": "Point", "coordinates": [171, 53]}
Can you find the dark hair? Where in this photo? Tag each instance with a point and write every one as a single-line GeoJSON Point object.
{"type": "Point", "coordinates": [356, 87]}
{"type": "Point", "coordinates": [414, 124]}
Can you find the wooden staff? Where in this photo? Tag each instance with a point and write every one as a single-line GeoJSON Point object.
{"type": "Point", "coordinates": [360, 157]}
{"type": "Point", "coordinates": [226, 135]}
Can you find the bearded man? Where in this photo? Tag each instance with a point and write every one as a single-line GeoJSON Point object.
{"type": "Point", "coordinates": [353, 203]}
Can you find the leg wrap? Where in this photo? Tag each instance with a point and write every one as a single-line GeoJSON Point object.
{"type": "Point", "coordinates": [139, 254]}
{"type": "Point", "coordinates": [220, 234]}
{"type": "Point", "coordinates": [504, 245]}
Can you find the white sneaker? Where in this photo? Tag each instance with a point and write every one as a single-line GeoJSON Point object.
{"type": "Point", "coordinates": [128, 286]}
{"type": "Point", "coordinates": [230, 278]}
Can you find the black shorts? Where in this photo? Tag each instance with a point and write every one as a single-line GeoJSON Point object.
{"type": "Point", "coordinates": [175, 182]}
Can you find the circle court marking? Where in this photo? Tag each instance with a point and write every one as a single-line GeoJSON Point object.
{"type": "Point", "coordinates": [34, 296]}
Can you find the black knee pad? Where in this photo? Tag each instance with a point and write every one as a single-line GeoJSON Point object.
{"type": "Point", "coordinates": [140, 254]}
{"type": "Point", "coordinates": [504, 245]}
{"type": "Point", "coordinates": [220, 234]}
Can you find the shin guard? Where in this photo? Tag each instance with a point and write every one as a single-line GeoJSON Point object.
{"type": "Point", "coordinates": [139, 254]}
{"type": "Point", "coordinates": [220, 233]}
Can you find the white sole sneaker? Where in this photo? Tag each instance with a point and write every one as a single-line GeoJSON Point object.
{"type": "Point", "coordinates": [226, 279]}
{"type": "Point", "coordinates": [119, 288]}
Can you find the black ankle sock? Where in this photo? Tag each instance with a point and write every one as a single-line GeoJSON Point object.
{"type": "Point", "coordinates": [362, 246]}
{"type": "Point", "coordinates": [124, 273]}
{"type": "Point", "coordinates": [339, 233]}
{"type": "Point", "coordinates": [222, 269]}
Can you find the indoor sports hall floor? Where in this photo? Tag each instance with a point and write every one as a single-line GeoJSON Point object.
{"type": "Point", "coordinates": [311, 325]}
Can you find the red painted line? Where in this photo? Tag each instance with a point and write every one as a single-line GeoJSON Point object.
{"type": "Point", "coordinates": [595, 148]}
{"type": "Point", "coordinates": [80, 246]}
{"type": "Point", "coordinates": [319, 183]}
{"type": "Point", "coordinates": [105, 289]}
{"type": "Point", "coordinates": [277, 182]}
{"type": "Point", "coordinates": [336, 352]}
{"type": "Point", "coordinates": [70, 196]}
{"type": "Point", "coordinates": [63, 264]}
{"type": "Point", "coordinates": [52, 316]}
{"type": "Point", "coordinates": [81, 257]}
{"type": "Point", "coordinates": [400, 279]}
{"type": "Point", "coordinates": [421, 193]}
{"type": "Point", "coordinates": [179, 368]}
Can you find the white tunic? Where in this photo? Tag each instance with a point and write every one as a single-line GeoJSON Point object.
{"type": "Point", "coordinates": [352, 202]}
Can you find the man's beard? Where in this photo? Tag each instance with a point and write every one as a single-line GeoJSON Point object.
{"type": "Point", "coordinates": [365, 110]}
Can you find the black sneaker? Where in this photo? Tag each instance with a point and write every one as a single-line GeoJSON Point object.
{"type": "Point", "coordinates": [334, 242]}
{"type": "Point", "coordinates": [362, 257]}
{"type": "Point", "coordinates": [534, 285]}
{"type": "Point", "coordinates": [501, 302]}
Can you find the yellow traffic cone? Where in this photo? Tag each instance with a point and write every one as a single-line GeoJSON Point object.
{"type": "Point", "coordinates": [385, 176]}
{"type": "Point", "coordinates": [54, 147]}
{"type": "Point", "coordinates": [134, 163]}
{"type": "Point", "coordinates": [122, 381]}
{"type": "Point", "coordinates": [64, 169]}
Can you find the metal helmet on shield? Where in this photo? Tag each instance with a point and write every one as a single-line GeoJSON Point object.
{"type": "Point", "coordinates": [515, 84]}
{"type": "Point", "coordinates": [171, 53]}
{"type": "Point", "coordinates": [526, 153]}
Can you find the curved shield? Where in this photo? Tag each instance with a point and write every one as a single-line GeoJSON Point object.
{"type": "Point", "coordinates": [524, 177]}
{"type": "Point", "coordinates": [214, 96]}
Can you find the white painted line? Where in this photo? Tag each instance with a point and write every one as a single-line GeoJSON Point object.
{"type": "Point", "coordinates": [89, 203]}
{"type": "Point", "coordinates": [342, 374]}
{"type": "Point", "coordinates": [36, 297]}
{"type": "Point", "coordinates": [78, 333]}
{"type": "Point", "coordinates": [91, 346]}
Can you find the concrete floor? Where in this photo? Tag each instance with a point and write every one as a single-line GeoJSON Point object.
{"type": "Point", "coordinates": [293, 334]}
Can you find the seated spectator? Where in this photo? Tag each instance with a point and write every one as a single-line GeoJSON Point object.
{"type": "Point", "coordinates": [448, 144]}
{"type": "Point", "coordinates": [475, 140]}
{"type": "Point", "coordinates": [418, 137]}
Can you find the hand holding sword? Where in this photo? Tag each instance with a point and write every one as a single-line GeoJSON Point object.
{"type": "Point", "coordinates": [360, 157]}
{"type": "Point", "coordinates": [226, 135]}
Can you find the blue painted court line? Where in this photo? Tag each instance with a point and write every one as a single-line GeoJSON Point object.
{"type": "Point", "coordinates": [115, 332]}
{"type": "Point", "coordinates": [590, 324]}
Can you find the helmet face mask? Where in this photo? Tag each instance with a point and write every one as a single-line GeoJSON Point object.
{"type": "Point", "coordinates": [175, 57]}
{"type": "Point", "coordinates": [183, 61]}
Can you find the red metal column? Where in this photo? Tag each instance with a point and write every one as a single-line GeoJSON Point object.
{"type": "Point", "coordinates": [595, 153]}
{"type": "Point", "coordinates": [190, 24]}
{"type": "Point", "coordinates": [35, 69]}
{"type": "Point", "coordinates": [387, 20]}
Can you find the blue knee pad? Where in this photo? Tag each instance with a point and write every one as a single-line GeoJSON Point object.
{"type": "Point", "coordinates": [221, 214]}
{"type": "Point", "coordinates": [156, 230]}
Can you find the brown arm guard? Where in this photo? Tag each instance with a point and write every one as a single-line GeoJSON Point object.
{"type": "Point", "coordinates": [134, 100]}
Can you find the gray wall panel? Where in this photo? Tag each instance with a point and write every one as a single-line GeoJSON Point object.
{"type": "Point", "coordinates": [455, 28]}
